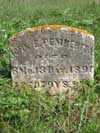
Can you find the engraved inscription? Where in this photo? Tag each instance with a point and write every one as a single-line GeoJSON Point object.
{"type": "Point", "coordinates": [28, 70]}
{"type": "Point", "coordinates": [51, 42]}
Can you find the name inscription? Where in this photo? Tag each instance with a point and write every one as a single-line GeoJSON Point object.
{"type": "Point", "coordinates": [37, 44]}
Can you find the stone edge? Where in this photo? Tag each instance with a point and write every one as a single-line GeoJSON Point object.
{"type": "Point", "coordinates": [55, 27]}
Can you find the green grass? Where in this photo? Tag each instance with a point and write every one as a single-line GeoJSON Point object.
{"type": "Point", "coordinates": [21, 109]}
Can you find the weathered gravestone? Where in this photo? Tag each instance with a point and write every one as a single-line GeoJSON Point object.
{"type": "Point", "coordinates": [50, 56]}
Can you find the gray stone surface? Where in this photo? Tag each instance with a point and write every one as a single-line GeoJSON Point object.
{"type": "Point", "coordinates": [51, 56]}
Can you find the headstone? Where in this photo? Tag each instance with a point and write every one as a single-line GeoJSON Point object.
{"type": "Point", "coordinates": [52, 56]}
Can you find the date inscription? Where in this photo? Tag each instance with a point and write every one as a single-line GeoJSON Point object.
{"type": "Point", "coordinates": [31, 70]}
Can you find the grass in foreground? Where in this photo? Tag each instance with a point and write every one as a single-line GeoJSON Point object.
{"type": "Point", "coordinates": [24, 111]}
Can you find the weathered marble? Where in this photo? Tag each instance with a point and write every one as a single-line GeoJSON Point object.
{"type": "Point", "coordinates": [52, 56]}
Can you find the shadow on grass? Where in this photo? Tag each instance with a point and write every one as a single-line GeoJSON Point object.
{"type": "Point", "coordinates": [5, 77]}
{"type": "Point", "coordinates": [5, 73]}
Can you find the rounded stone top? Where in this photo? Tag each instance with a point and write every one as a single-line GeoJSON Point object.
{"type": "Point", "coordinates": [54, 27]}
{"type": "Point", "coordinates": [63, 27]}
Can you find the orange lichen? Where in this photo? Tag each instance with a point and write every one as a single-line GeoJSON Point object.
{"type": "Point", "coordinates": [54, 27]}
{"type": "Point", "coordinates": [62, 26]}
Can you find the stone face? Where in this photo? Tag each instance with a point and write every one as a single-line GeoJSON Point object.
{"type": "Point", "coordinates": [52, 56]}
